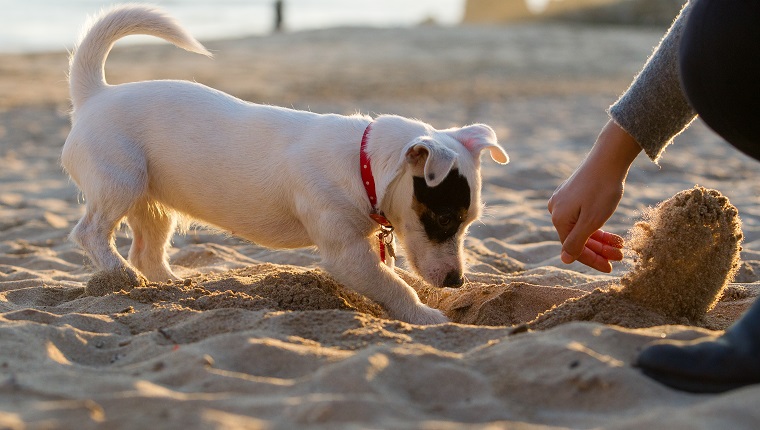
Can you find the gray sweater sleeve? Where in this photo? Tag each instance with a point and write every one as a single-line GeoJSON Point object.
{"type": "Point", "coordinates": [654, 109]}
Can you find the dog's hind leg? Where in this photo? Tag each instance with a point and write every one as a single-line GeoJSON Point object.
{"type": "Point", "coordinates": [152, 227]}
{"type": "Point", "coordinates": [95, 234]}
{"type": "Point", "coordinates": [112, 179]}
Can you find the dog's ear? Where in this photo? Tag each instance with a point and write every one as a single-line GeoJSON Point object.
{"type": "Point", "coordinates": [430, 159]}
{"type": "Point", "coordinates": [478, 137]}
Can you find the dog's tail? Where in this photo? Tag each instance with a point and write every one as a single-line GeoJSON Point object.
{"type": "Point", "coordinates": [86, 65]}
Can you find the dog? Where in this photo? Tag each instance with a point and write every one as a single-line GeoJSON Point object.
{"type": "Point", "coordinates": [157, 152]}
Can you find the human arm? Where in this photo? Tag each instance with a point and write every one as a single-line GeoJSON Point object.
{"type": "Point", "coordinates": [586, 200]}
{"type": "Point", "coordinates": [654, 109]}
{"type": "Point", "coordinates": [647, 116]}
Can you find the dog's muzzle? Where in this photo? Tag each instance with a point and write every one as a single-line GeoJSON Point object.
{"type": "Point", "coordinates": [454, 279]}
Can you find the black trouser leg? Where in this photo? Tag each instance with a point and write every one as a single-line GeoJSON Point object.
{"type": "Point", "coordinates": [709, 366]}
{"type": "Point", "coordinates": [720, 69]}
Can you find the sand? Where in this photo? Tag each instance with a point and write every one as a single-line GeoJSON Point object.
{"type": "Point", "coordinates": [260, 338]}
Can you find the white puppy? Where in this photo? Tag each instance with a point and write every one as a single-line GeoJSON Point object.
{"type": "Point", "coordinates": [155, 151]}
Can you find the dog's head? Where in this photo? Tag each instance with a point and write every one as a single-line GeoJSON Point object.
{"type": "Point", "coordinates": [435, 196]}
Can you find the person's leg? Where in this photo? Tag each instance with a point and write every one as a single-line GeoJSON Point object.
{"type": "Point", "coordinates": [719, 61]}
{"type": "Point", "coordinates": [720, 73]}
{"type": "Point", "coordinates": [710, 365]}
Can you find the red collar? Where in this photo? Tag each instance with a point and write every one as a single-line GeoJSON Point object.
{"type": "Point", "coordinates": [369, 182]}
{"type": "Point", "coordinates": [385, 235]}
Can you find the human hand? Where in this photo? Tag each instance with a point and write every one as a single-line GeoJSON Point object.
{"type": "Point", "coordinates": [585, 201]}
{"type": "Point", "coordinates": [579, 208]}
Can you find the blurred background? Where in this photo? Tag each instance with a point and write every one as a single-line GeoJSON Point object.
{"type": "Point", "coordinates": [50, 25]}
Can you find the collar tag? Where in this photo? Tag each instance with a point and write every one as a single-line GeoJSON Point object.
{"type": "Point", "coordinates": [387, 243]}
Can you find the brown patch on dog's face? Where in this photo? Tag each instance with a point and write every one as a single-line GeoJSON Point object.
{"type": "Point", "coordinates": [442, 209]}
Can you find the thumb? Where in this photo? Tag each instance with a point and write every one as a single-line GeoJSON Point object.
{"type": "Point", "coordinates": [575, 242]}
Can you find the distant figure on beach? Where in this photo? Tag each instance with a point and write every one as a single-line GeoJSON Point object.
{"type": "Point", "coordinates": [278, 15]}
{"type": "Point", "coordinates": [707, 65]}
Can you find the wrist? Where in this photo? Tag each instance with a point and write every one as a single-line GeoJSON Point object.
{"type": "Point", "coordinates": [614, 151]}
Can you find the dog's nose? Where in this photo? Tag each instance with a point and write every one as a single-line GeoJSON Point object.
{"type": "Point", "coordinates": [453, 279]}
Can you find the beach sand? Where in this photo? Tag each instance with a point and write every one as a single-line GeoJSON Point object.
{"type": "Point", "coordinates": [260, 338]}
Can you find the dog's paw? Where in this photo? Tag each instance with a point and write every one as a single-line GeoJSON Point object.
{"type": "Point", "coordinates": [425, 315]}
{"type": "Point", "coordinates": [110, 281]}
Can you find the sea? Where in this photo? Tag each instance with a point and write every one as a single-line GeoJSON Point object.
{"type": "Point", "coordinates": [54, 25]}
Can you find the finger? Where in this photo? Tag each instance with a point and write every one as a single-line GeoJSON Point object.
{"type": "Point", "coordinates": [562, 224]}
{"type": "Point", "coordinates": [604, 250]}
{"type": "Point", "coordinates": [608, 238]}
{"type": "Point", "coordinates": [595, 261]}
{"type": "Point", "coordinates": [575, 242]}
{"type": "Point", "coordinates": [563, 229]}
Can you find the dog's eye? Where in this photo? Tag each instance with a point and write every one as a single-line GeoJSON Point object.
{"type": "Point", "coordinates": [445, 220]}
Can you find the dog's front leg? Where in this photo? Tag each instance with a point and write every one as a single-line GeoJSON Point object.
{"type": "Point", "coordinates": [353, 262]}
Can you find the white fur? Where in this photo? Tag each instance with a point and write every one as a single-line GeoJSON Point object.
{"type": "Point", "coordinates": [153, 151]}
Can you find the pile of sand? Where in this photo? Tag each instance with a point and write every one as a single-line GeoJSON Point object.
{"type": "Point", "coordinates": [265, 286]}
{"type": "Point", "coordinates": [687, 251]}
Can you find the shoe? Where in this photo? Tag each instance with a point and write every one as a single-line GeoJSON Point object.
{"type": "Point", "coordinates": [711, 365]}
